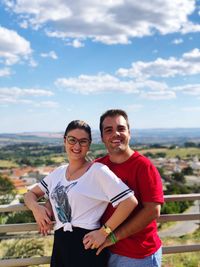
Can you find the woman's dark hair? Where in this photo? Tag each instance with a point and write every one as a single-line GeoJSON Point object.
{"type": "Point", "coordinates": [112, 113]}
{"type": "Point", "coordinates": [78, 124]}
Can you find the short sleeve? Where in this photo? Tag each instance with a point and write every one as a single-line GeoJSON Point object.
{"type": "Point", "coordinates": [113, 190]}
{"type": "Point", "coordinates": [150, 183]}
{"type": "Point", "coordinates": [43, 184]}
{"type": "Point", "coordinates": [46, 183]}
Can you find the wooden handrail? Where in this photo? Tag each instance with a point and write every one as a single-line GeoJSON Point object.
{"type": "Point", "coordinates": [15, 207]}
{"type": "Point", "coordinates": [24, 262]}
{"type": "Point", "coordinates": [20, 227]}
{"type": "Point", "coordinates": [182, 197]}
{"type": "Point", "coordinates": [46, 260]}
{"type": "Point", "coordinates": [24, 227]}
{"type": "Point", "coordinates": [181, 249]}
{"type": "Point", "coordinates": [167, 198]}
{"type": "Point", "coordinates": [179, 217]}
{"type": "Point", "coordinates": [11, 208]}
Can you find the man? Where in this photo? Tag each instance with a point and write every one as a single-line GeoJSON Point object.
{"type": "Point", "coordinates": [138, 243]}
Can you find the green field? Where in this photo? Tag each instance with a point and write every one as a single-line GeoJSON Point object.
{"type": "Point", "coordinates": [8, 164]}
{"type": "Point", "coordinates": [187, 259]}
{"type": "Point", "coordinates": [172, 153]}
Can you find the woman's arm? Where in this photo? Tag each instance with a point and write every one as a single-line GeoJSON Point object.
{"type": "Point", "coordinates": [95, 238]}
{"type": "Point", "coordinates": [41, 214]}
{"type": "Point", "coordinates": [134, 224]}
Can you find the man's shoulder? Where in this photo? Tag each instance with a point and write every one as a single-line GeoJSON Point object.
{"type": "Point", "coordinates": [103, 159]}
{"type": "Point", "coordinates": [138, 158]}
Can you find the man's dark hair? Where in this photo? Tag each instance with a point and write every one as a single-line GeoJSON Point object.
{"type": "Point", "coordinates": [112, 113]}
{"type": "Point", "coordinates": [78, 124]}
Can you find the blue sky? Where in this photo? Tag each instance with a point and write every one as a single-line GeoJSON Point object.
{"type": "Point", "coordinates": [64, 60]}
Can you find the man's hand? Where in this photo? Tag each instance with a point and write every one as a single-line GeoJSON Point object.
{"type": "Point", "coordinates": [107, 243]}
{"type": "Point", "coordinates": [93, 239]}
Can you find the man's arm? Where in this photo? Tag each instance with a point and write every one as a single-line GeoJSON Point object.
{"type": "Point", "coordinates": [146, 215]}
{"type": "Point", "coordinates": [135, 223]}
{"type": "Point", "coordinates": [97, 237]}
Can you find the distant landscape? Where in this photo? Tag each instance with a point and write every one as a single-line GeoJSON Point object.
{"type": "Point", "coordinates": [167, 136]}
{"type": "Point", "coordinates": [26, 158]}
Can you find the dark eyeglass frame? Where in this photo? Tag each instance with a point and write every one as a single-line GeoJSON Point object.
{"type": "Point", "coordinates": [83, 142]}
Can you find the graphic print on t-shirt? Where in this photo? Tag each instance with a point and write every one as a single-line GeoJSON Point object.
{"type": "Point", "coordinates": [63, 208]}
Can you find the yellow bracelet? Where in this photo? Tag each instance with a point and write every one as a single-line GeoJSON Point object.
{"type": "Point", "coordinates": [107, 229]}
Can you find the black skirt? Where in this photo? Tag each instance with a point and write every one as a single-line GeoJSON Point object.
{"type": "Point", "coordinates": [68, 250]}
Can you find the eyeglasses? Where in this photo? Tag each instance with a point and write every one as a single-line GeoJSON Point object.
{"type": "Point", "coordinates": [73, 140]}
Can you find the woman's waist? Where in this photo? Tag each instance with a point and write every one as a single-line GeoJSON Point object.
{"type": "Point", "coordinates": [70, 226]}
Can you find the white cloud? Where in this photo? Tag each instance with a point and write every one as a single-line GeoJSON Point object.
{"type": "Point", "coordinates": [35, 13]}
{"type": "Point", "coordinates": [177, 41]}
{"type": "Point", "coordinates": [192, 56]}
{"type": "Point", "coordinates": [47, 104]}
{"type": "Point", "coordinates": [13, 47]}
{"type": "Point", "coordinates": [33, 63]}
{"type": "Point", "coordinates": [191, 109]}
{"type": "Point", "coordinates": [5, 72]}
{"type": "Point", "coordinates": [105, 83]}
{"type": "Point", "coordinates": [152, 85]}
{"type": "Point", "coordinates": [10, 100]}
{"type": "Point", "coordinates": [51, 54]}
{"type": "Point", "coordinates": [23, 24]}
{"type": "Point", "coordinates": [15, 91]}
{"type": "Point", "coordinates": [86, 84]}
{"type": "Point", "coordinates": [164, 67]}
{"type": "Point", "coordinates": [109, 22]}
{"type": "Point", "coordinates": [76, 43]}
{"type": "Point", "coordinates": [189, 89]}
{"type": "Point", "coordinates": [189, 27]}
{"type": "Point", "coordinates": [19, 95]}
{"type": "Point", "coordinates": [162, 95]}
{"type": "Point", "coordinates": [134, 107]}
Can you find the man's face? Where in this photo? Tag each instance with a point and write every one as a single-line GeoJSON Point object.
{"type": "Point", "coordinates": [115, 134]}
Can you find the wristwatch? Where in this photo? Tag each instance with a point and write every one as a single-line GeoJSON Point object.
{"type": "Point", "coordinates": [107, 229]}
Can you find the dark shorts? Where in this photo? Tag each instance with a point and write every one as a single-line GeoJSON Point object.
{"type": "Point", "coordinates": [68, 250]}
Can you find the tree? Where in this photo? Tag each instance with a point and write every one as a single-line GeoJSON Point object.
{"type": "Point", "coordinates": [187, 171]}
{"type": "Point", "coordinates": [149, 155]}
{"type": "Point", "coordinates": [7, 190]}
{"type": "Point", "coordinates": [161, 155]}
{"type": "Point", "coordinates": [179, 177]}
{"type": "Point", "coordinates": [20, 217]}
{"type": "Point", "coordinates": [24, 161]}
{"type": "Point", "coordinates": [22, 248]}
{"type": "Point", "coordinates": [190, 144]}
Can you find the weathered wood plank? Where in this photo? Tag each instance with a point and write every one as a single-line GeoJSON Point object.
{"type": "Point", "coordinates": [181, 197]}
{"type": "Point", "coordinates": [179, 217]}
{"type": "Point", "coordinates": [181, 249]}
{"type": "Point", "coordinates": [20, 227]}
{"type": "Point", "coordinates": [24, 262]}
{"type": "Point", "coordinates": [46, 260]}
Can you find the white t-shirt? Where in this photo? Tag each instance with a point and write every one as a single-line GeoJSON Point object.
{"type": "Point", "coordinates": [82, 202]}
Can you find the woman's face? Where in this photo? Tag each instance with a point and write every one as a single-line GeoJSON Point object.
{"type": "Point", "coordinates": [77, 144]}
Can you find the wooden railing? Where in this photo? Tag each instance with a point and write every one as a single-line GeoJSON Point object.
{"type": "Point", "coordinates": [23, 227]}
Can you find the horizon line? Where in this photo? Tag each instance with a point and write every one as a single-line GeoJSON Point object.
{"type": "Point", "coordinates": [153, 128]}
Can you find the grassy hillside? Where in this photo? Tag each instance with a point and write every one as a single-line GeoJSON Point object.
{"type": "Point", "coordinates": [171, 153]}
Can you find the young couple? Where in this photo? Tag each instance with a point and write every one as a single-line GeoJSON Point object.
{"type": "Point", "coordinates": [105, 211]}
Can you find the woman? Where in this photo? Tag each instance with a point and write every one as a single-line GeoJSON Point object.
{"type": "Point", "coordinates": [79, 193]}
